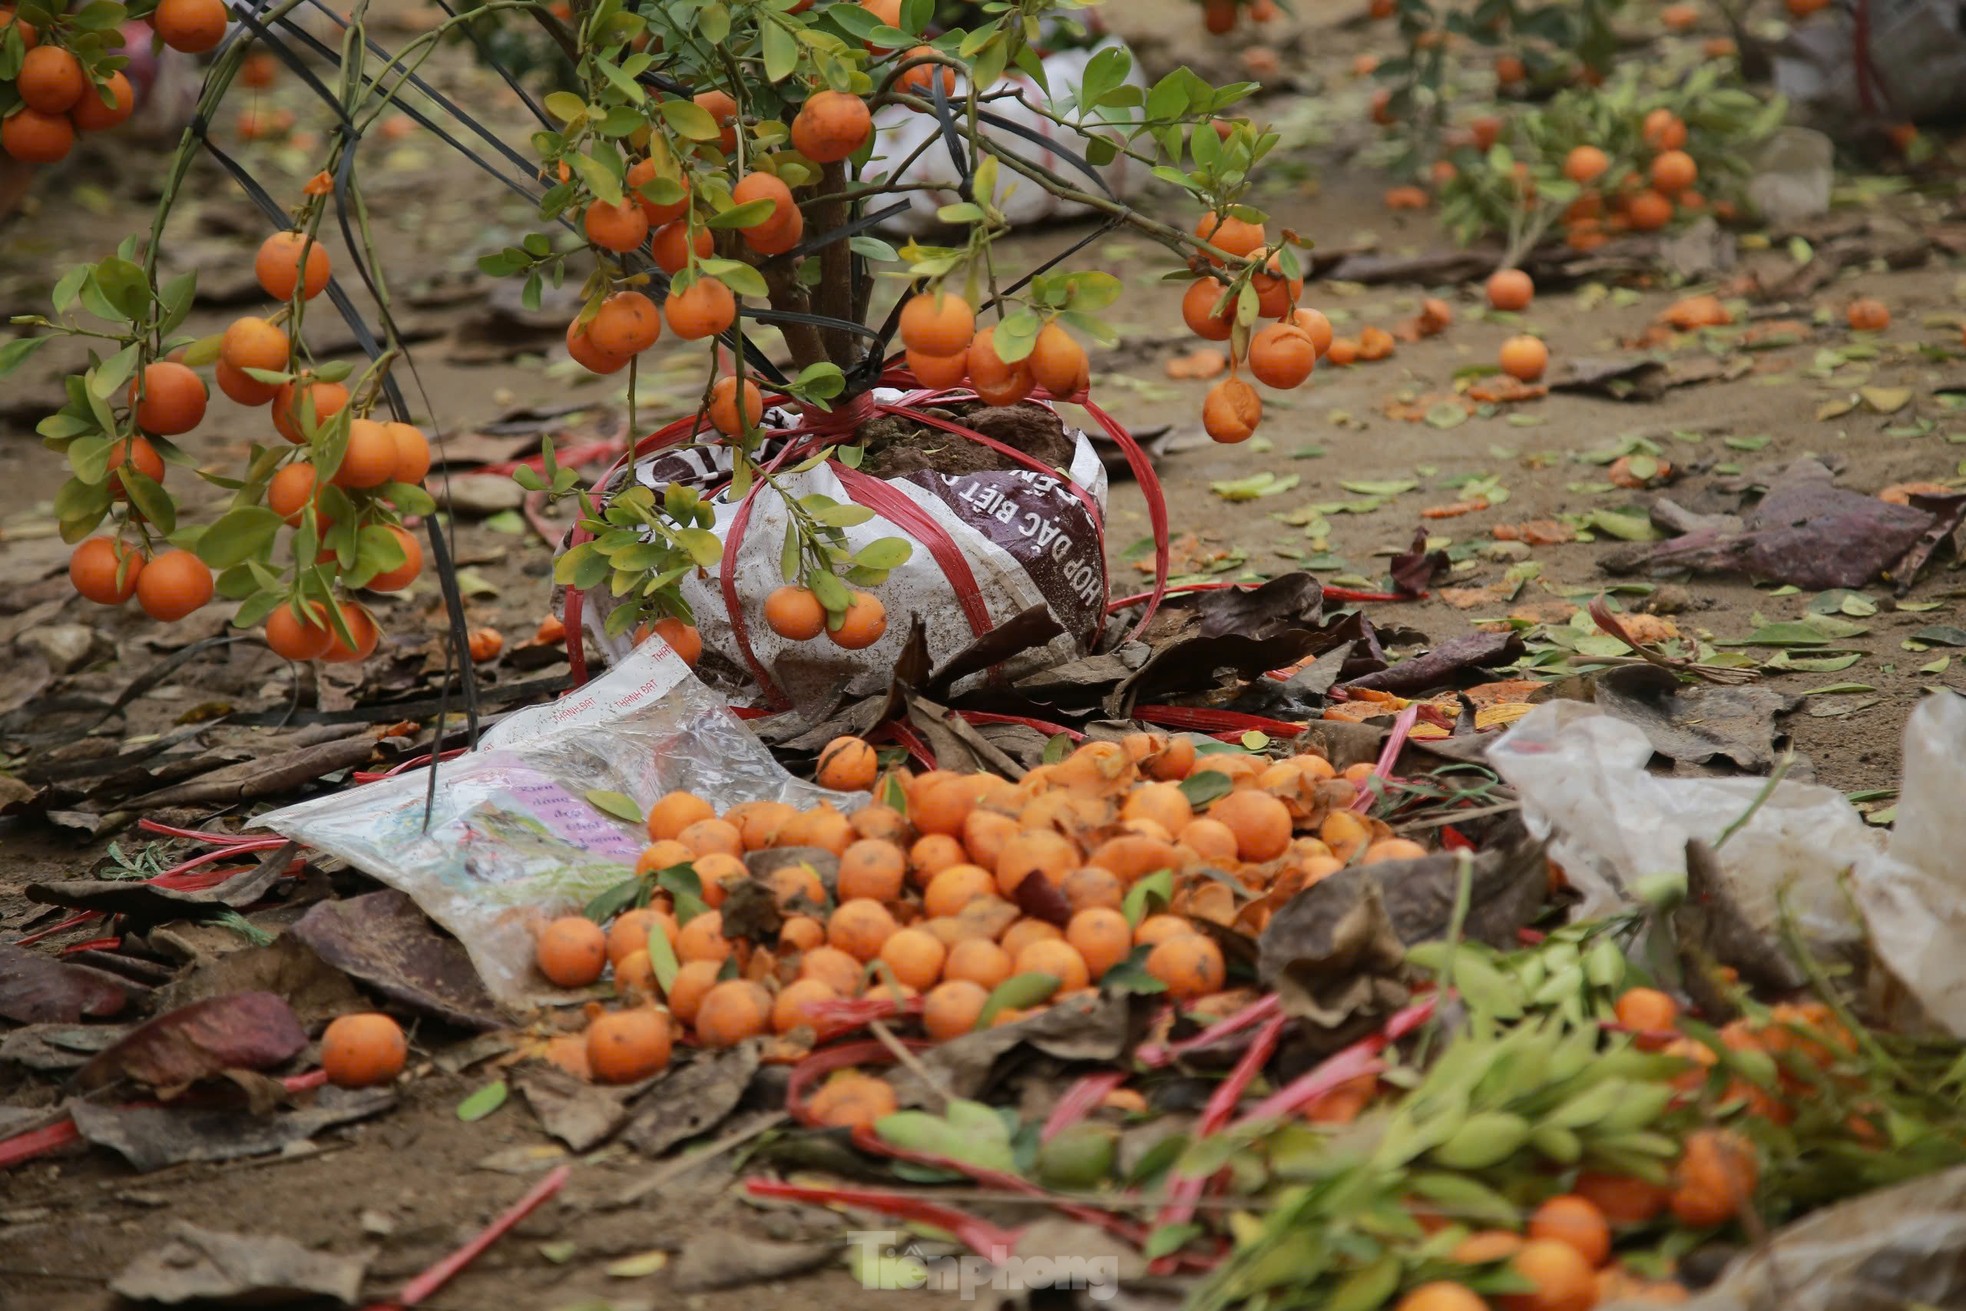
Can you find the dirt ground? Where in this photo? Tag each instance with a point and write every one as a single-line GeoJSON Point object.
{"type": "Point", "coordinates": [411, 1184]}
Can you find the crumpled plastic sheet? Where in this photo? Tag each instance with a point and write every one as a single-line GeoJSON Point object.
{"type": "Point", "coordinates": [513, 840]}
{"type": "Point", "coordinates": [1914, 893]}
{"type": "Point", "coordinates": [1891, 1250]}
{"type": "Point", "coordinates": [1581, 777]}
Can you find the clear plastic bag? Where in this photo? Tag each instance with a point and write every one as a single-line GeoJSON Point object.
{"type": "Point", "coordinates": [1581, 775]}
{"type": "Point", "coordinates": [1914, 894]}
{"type": "Point", "coordinates": [512, 839]}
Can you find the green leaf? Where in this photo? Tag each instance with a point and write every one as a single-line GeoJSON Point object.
{"type": "Point", "coordinates": [843, 516]}
{"type": "Point", "coordinates": [885, 553]}
{"type": "Point", "coordinates": [639, 1266]}
{"type": "Point", "coordinates": [618, 804]}
{"type": "Point", "coordinates": [662, 957]}
{"type": "Point", "coordinates": [832, 593]}
{"type": "Point", "coordinates": [124, 286]}
{"type": "Point", "coordinates": [960, 213]}
{"type": "Point", "coordinates": [150, 498]}
{"type": "Point", "coordinates": [1148, 894]}
{"type": "Point", "coordinates": [748, 215]}
{"type": "Point", "coordinates": [565, 106]}
{"type": "Point", "coordinates": [483, 1102]}
{"type": "Point", "coordinates": [1254, 487]}
{"type": "Point", "coordinates": [1624, 527]}
{"type": "Point", "coordinates": [610, 902]}
{"type": "Point", "coordinates": [89, 458]}
{"type": "Point", "coordinates": [1165, 1240]}
{"type": "Point", "coordinates": [1015, 336]}
{"type": "Point", "coordinates": [1130, 975]}
{"type": "Point", "coordinates": [107, 378]}
{"type": "Point", "coordinates": [1941, 635]}
{"type": "Point", "coordinates": [703, 546]}
{"type": "Point", "coordinates": [1017, 992]}
{"type": "Point", "coordinates": [16, 352]}
{"type": "Point", "coordinates": [1366, 1288]}
{"type": "Point", "coordinates": [619, 79]}
{"type": "Point", "coordinates": [176, 299]}
{"type": "Point", "coordinates": [689, 119]}
{"type": "Point", "coordinates": [685, 890]}
{"type": "Point", "coordinates": [240, 535]}
{"type": "Point", "coordinates": [781, 50]}
{"type": "Point", "coordinates": [1382, 487]}
{"type": "Point", "coordinates": [1204, 786]}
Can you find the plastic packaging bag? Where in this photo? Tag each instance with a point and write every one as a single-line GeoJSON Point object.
{"type": "Point", "coordinates": [1008, 539]}
{"type": "Point", "coordinates": [902, 136]}
{"type": "Point", "coordinates": [512, 839]}
{"type": "Point", "coordinates": [1581, 775]}
{"type": "Point", "coordinates": [1914, 893]}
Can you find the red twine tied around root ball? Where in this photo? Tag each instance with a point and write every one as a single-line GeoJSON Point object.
{"type": "Point", "coordinates": [818, 429]}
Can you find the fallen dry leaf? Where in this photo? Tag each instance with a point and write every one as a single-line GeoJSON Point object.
{"type": "Point", "coordinates": [1505, 390]}
{"type": "Point", "coordinates": [1647, 629]}
{"type": "Point", "coordinates": [1454, 510]}
{"type": "Point", "coordinates": [241, 1031]}
{"type": "Point", "coordinates": [1535, 532]}
{"type": "Point", "coordinates": [1544, 612]}
{"type": "Point", "coordinates": [1901, 493]}
{"type": "Point", "coordinates": [1471, 598]}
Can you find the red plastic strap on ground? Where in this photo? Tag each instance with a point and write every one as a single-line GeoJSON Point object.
{"type": "Point", "coordinates": [822, 1063]}
{"type": "Point", "coordinates": [433, 1279]}
{"type": "Point", "coordinates": [1132, 1231]}
{"type": "Point", "coordinates": [53, 1137]}
{"type": "Point", "coordinates": [174, 876]}
{"type": "Point", "coordinates": [24, 1147]}
{"type": "Point", "coordinates": [1395, 743]}
{"type": "Point", "coordinates": [974, 1232]}
{"type": "Point", "coordinates": [1150, 488]}
{"type": "Point", "coordinates": [843, 1015]}
{"type": "Point", "coordinates": [908, 738]}
{"type": "Point", "coordinates": [1334, 1072]}
{"type": "Point", "coordinates": [1153, 1056]}
{"type": "Point", "coordinates": [571, 458]}
{"type": "Point", "coordinates": [72, 922]}
{"type": "Point", "coordinates": [1220, 722]}
{"type": "Point", "coordinates": [1041, 725]}
{"type": "Point", "coordinates": [417, 762]}
{"type": "Point", "coordinates": [1185, 1190]}
{"type": "Point", "coordinates": [188, 834]}
{"type": "Point", "coordinates": [1080, 1101]}
{"type": "Point", "coordinates": [892, 503]}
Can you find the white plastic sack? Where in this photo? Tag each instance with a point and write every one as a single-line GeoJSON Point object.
{"type": "Point", "coordinates": [1581, 776]}
{"type": "Point", "coordinates": [1024, 536]}
{"type": "Point", "coordinates": [901, 132]}
{"type": "Point", "coordinates": [1914, 894]}
{"type": "Point", "coordinates": [512, 840]}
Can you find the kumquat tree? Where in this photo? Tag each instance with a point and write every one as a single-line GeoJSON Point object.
{"type": "Point", "coordinates": [713, 168]}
